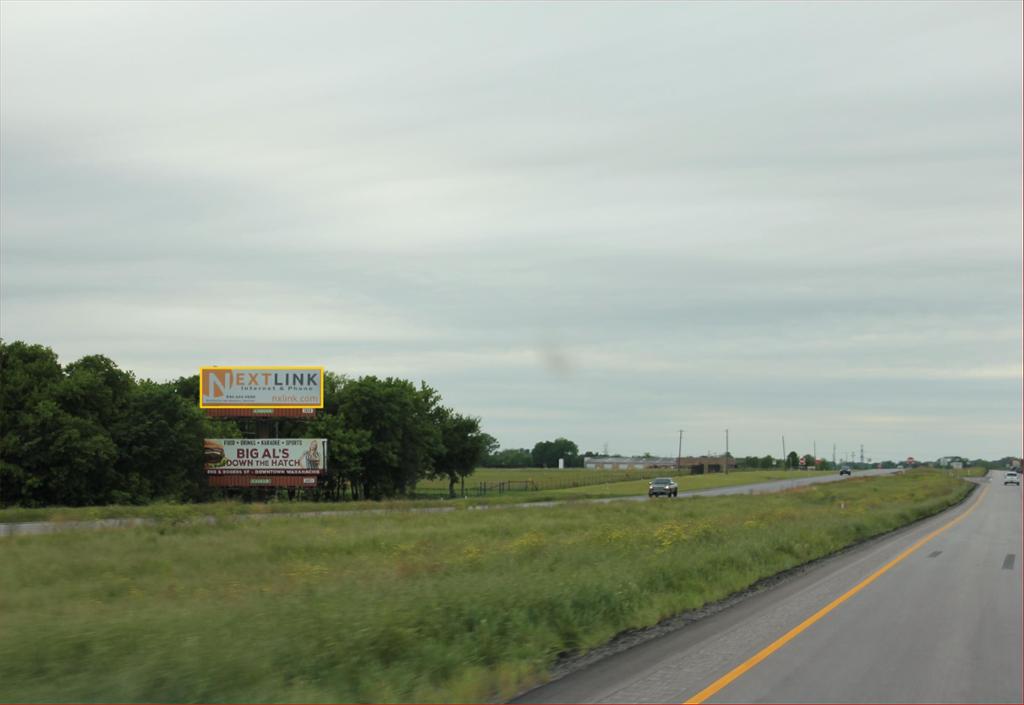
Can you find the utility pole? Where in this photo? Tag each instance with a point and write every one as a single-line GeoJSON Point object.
{"type": "Point", "coordinates": [679, 455]}
{"type": "Point", "coordinates": [726, 451]}
{"type": "Point", "coordinates": [861, 453]}
{"type": "Point", "coordinates": [783, 450]}
{"type": "Point", "coordinates": [833, 456]}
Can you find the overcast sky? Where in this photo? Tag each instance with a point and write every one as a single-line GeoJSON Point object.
{"type": "Point", "coordinates": [600, 221]}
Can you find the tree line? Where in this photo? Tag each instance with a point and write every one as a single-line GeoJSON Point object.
{"type": "Point", "coordinates": [545, 454]}
{"type": "Point", "coordinates": [90, 433]}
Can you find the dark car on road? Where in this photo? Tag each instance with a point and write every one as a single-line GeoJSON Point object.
{"type": "Point", "coordinates": [663, 486]}
{"type": "Point", "coordinates": [845, 470]}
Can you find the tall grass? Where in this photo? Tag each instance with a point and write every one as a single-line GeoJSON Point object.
{"type": "Point", "coordinates": [465, 606]}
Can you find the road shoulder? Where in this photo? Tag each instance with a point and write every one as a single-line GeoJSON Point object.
{"type": "Point", "coordinates": [633, 651]}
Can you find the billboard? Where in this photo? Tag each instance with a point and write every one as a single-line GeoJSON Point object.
{"type": "Point", "coordinates": [261, 387]}
{"type": "Point", "coordinates": [265, 456]}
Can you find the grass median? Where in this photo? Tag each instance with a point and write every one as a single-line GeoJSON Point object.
{"type": "Point", "coordinates": [462, 606]}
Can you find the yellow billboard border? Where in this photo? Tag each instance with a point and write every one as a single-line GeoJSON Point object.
{"type": "Point", "coordinates": [261, 406]}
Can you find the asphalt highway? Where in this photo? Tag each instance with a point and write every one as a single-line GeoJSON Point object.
{"type": "Point", "coordinates": [781, 485]}
{"type": "Point", "coordinates": [930, 613]}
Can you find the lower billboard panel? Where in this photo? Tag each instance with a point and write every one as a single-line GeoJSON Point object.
{"type": "Point", "coordinates": [262, 481]}
{"type": "Point", "coordinates": [265, 456]}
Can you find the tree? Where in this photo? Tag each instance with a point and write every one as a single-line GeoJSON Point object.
{"type": "Point", "coordinates": [159, 447]}
{"type": "Point", "coordinates": [186, 387]}
{"type": "Point", "coordinates": [345, 448]}
{"type": "Point", "coordinates": [404, 440]}
{"type": "Point", "coordinates": [464, 445]}
{"type": "Point", "coordinates": [509, 458]}
{"type": "Point", "coordinates": [28, 375]}
{"type": "Point", "coordinates": [69, 459]}
{"type": "Point", "coordinates": [95, 388]}
{"type": "Point", "coordinates": [56, 447]}
{"type": "Point", "coordinates": [792, 460]}
{"type": "Point", "coordinates": [547, 453]}
{"type": "Point", "coordinates": [491, 446]}
{"type": "Point", "coordinates": [92, 434]}
{"type": "Point", "coordinates": [94, 395]}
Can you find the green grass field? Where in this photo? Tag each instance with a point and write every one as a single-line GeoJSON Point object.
{"type": "Point", "coordinates": [619, 485]}
{"type": "Point", "coordinates": [541, 475]}
{"type": "Point", "coordinates": [548, 478]}
{"type": "Point", "coordinates": [461, 606]}
{"type": "Point", "coordinates": [687, 483]}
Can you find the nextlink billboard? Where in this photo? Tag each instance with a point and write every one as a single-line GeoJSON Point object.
{"type": "Point", "coordinates": [261, 387]}
{"type": "Point", "coordinates": [265, 456]}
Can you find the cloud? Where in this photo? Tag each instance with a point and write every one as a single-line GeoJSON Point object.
{"type": "Point", "coordinates": [629, 219]}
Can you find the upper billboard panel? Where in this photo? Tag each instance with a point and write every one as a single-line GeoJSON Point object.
{"type": "Point", "coordinates": [261, 387]}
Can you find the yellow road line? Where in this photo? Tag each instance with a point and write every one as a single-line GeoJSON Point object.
{"type": "Point", "coordinates": [792, 633]}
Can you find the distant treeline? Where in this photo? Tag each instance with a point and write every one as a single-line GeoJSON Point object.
{"type": "Point", "coordinates": [90, 433]}
{"type": "Point", "coordinates": [545, 454]}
